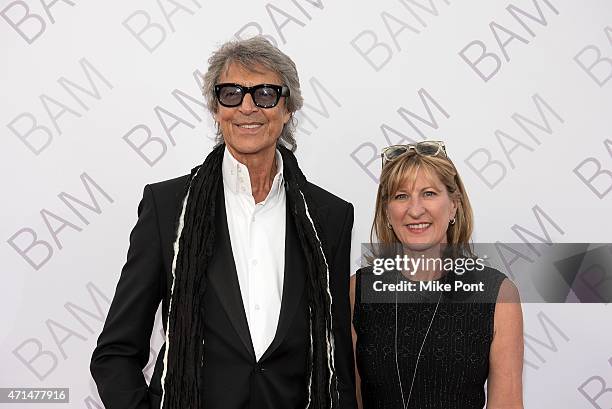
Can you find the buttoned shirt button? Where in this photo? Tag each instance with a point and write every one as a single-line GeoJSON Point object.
{"type": "Point", "coordinates": [254, 262]}
{"type": "Point", "coordinates": [257, 308]}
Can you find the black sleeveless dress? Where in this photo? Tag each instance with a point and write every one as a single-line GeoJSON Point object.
{"type": "Point", "coordinates": [454, 363]}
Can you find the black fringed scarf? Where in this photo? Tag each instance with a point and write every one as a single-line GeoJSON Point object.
{"type": "Point", "coordinates": [193, 250]}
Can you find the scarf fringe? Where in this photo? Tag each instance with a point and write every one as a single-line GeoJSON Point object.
{"type": "Point", "coordinates": [329, 332]}
{"type": "Point", "coordinates": [179, 231]}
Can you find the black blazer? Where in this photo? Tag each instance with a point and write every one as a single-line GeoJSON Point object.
{"type": "Point", "coordinates": [232, 377]}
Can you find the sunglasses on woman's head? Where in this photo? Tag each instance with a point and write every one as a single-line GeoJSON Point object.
{"type": "Point", "coordinates": [424, 148]}
{"type": "Point", "coordinates": [264, 95]}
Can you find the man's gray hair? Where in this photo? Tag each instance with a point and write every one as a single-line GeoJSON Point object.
{"type": "Point", "coordinates": [248, 53]}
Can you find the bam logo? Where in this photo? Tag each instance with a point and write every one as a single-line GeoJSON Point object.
{"type": "Point", "coordinates": [33, 132]}
{"type": "Point", "coordinates": [29, 25]}
{"type": "Point", "coordinates": [487, 63]}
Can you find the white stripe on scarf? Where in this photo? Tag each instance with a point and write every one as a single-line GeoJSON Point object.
{"type": "Point", "coordinates": [176, 251]}
{"type": "Point", "coordinates": [329, 334]}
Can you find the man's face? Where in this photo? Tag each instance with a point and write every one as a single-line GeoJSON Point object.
{"type": "Point", "coordinates": [246, 128]}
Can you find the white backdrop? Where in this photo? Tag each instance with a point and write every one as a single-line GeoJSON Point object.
{"type": "Point", "coordinates": [100, 98]}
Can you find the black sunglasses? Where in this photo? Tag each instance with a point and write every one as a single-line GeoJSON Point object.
{"type": "Point", "coordinates": [264, 95]}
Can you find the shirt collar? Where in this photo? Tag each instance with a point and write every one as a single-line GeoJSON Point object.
{"type": "Point", "coordinates": [236, 177]}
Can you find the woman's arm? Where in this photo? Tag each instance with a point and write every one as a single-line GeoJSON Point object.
{"type": "Point", "coordinates": [354, 334]}
{"type": "Point", "coordinates": [505, 382]}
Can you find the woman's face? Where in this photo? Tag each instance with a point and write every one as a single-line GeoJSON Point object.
{"type": "Point", "coordinates": [248, 129]}
{"type": "Point", "coordinates": [420, 211]}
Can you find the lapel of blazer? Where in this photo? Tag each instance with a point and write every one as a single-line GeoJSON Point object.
{"type": "Point", "coordinates": [294, 281]}
{"type": "Point", "coordinates": [223, 278]}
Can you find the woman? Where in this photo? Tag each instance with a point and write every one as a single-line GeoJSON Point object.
{"type": "Point", "coordinates": [421, 350]}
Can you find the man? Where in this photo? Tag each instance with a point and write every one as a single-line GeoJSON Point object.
{"type": "Point", "coordinates": [249, 260]}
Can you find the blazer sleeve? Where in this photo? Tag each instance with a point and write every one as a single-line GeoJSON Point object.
{"type": "Point", "coordinates": [123, 346]}
{"type": "Point", "coordinates": [341, 268]}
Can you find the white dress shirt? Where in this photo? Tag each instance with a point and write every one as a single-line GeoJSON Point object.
{"type": "Point", "coordinates": [257, 235]}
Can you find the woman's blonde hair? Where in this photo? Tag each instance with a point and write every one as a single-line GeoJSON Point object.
{"type": "Point", "coordinates": [396, 172]}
